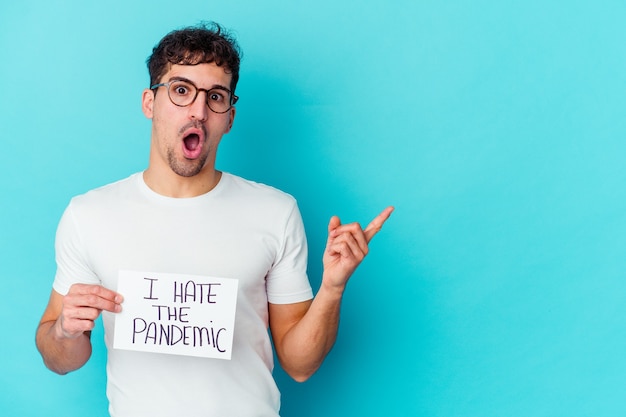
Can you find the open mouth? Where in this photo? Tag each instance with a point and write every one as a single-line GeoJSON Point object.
{"type": "Point", "coordinates": [191, 142]}
{"type": "Point", "coordinates": [192, 145]}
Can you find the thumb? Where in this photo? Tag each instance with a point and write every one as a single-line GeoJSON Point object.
{"type": "Point", "coordinates": [333, 224]}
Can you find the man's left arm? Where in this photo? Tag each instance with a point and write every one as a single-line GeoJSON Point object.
{"type": "Point", "coordinates": [304, 333]}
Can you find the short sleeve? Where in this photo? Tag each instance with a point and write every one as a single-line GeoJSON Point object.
{"type": "Point", "coordinates": [71, 257]}
{"type": "Point", "coordinates": [287, 281]}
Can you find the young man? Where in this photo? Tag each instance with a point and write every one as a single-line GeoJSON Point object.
{"type": "Point", "coordinates": [183, 216]}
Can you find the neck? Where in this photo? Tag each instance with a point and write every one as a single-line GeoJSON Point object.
{"type": "Point", "coordinates": [173, 185]}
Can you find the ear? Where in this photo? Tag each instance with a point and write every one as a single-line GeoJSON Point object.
{"type": "Point", "coordinates": [231, 120]}
{"type": "Point", "coordinates": [147, 103]}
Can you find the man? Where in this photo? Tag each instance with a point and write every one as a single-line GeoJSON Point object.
{"type": "Point", "coordinates": [183, 216]}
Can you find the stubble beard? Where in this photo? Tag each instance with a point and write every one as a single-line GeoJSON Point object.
{"type": "Point", "coordinates": [186, 168]}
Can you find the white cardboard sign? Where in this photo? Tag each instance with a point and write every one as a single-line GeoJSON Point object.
{"type": "Point", "coordinates": [176, 314]}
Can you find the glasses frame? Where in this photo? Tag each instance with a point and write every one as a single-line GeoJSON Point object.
{"type": "Point", "coordinates": [233, 98]}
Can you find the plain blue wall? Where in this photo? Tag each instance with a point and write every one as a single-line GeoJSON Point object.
{"type": "Point", "coordinates": [496, 128]}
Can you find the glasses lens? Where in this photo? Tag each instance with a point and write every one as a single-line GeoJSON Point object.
{"type": "Point", "coordinates": [218, 100]}
{"type": "Point", "coordinates": [182, 93]}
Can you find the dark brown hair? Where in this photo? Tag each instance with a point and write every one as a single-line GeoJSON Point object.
{"type": "Point", "coordinates": [203, 43]}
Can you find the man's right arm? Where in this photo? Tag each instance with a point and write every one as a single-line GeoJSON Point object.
{"type": "Point", "coordinates": [63, 335]}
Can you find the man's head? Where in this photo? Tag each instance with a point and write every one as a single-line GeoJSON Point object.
{"type": "Point", "coordinates": [197, 69]}
{"type": "Point", "coordinates": [204, 43]}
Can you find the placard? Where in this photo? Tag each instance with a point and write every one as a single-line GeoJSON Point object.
{"type": "Point", "coordinates": [176, 314]}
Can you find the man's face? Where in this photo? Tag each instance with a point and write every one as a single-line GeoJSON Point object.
{"type": "Point", "coordinates": [185, 139]}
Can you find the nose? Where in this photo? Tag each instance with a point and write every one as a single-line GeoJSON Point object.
{"type": "Point", "coordinates": [199, 109]}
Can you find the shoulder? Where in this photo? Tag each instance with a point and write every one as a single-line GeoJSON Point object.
{"type": "Point", "coordinates": [257, 202]}
{"type": "Point", "coordinates": [107, 193]}
{"type": "Point", "coordinates": [256, 190]}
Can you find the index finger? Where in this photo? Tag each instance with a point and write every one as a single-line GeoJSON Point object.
{"type": "Point", "coordinates": [97, 290]}
{"type": "Point", "coordinates": [377, 224]}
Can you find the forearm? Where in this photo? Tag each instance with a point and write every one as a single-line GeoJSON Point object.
{"type": "Point", "coordinates": [308, 342]}
{"type": "Point", "coordinates": [304, 333]}
{"type": "Point", "coordinates": [62, 354]}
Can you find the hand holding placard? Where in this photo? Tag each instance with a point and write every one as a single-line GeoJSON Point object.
{"type": "Point", "coordinates": [176, 314]}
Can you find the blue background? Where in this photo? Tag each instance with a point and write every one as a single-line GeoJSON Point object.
{"type": "Point", "coordinates": [496, 128]}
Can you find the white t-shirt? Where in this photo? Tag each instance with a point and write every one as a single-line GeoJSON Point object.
{"type": "Point", "coordinates": [242, 230]}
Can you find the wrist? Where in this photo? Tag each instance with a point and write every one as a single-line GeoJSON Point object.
{"type": "Point", "coordinates": [332, 289]}
{"type": "Point", "coordinates": [61, 334]}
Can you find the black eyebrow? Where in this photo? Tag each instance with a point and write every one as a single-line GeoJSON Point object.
{"type": "Point", "coordinates": [187, 80]}
{"type": "Point", "coordinates": [181, 79]}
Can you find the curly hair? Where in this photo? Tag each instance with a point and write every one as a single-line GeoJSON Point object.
{"type": "Point", "coordinates": [203, 43]}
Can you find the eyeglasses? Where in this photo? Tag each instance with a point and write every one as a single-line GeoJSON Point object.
{"type": "Point", "coordinates": [183, 93]}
